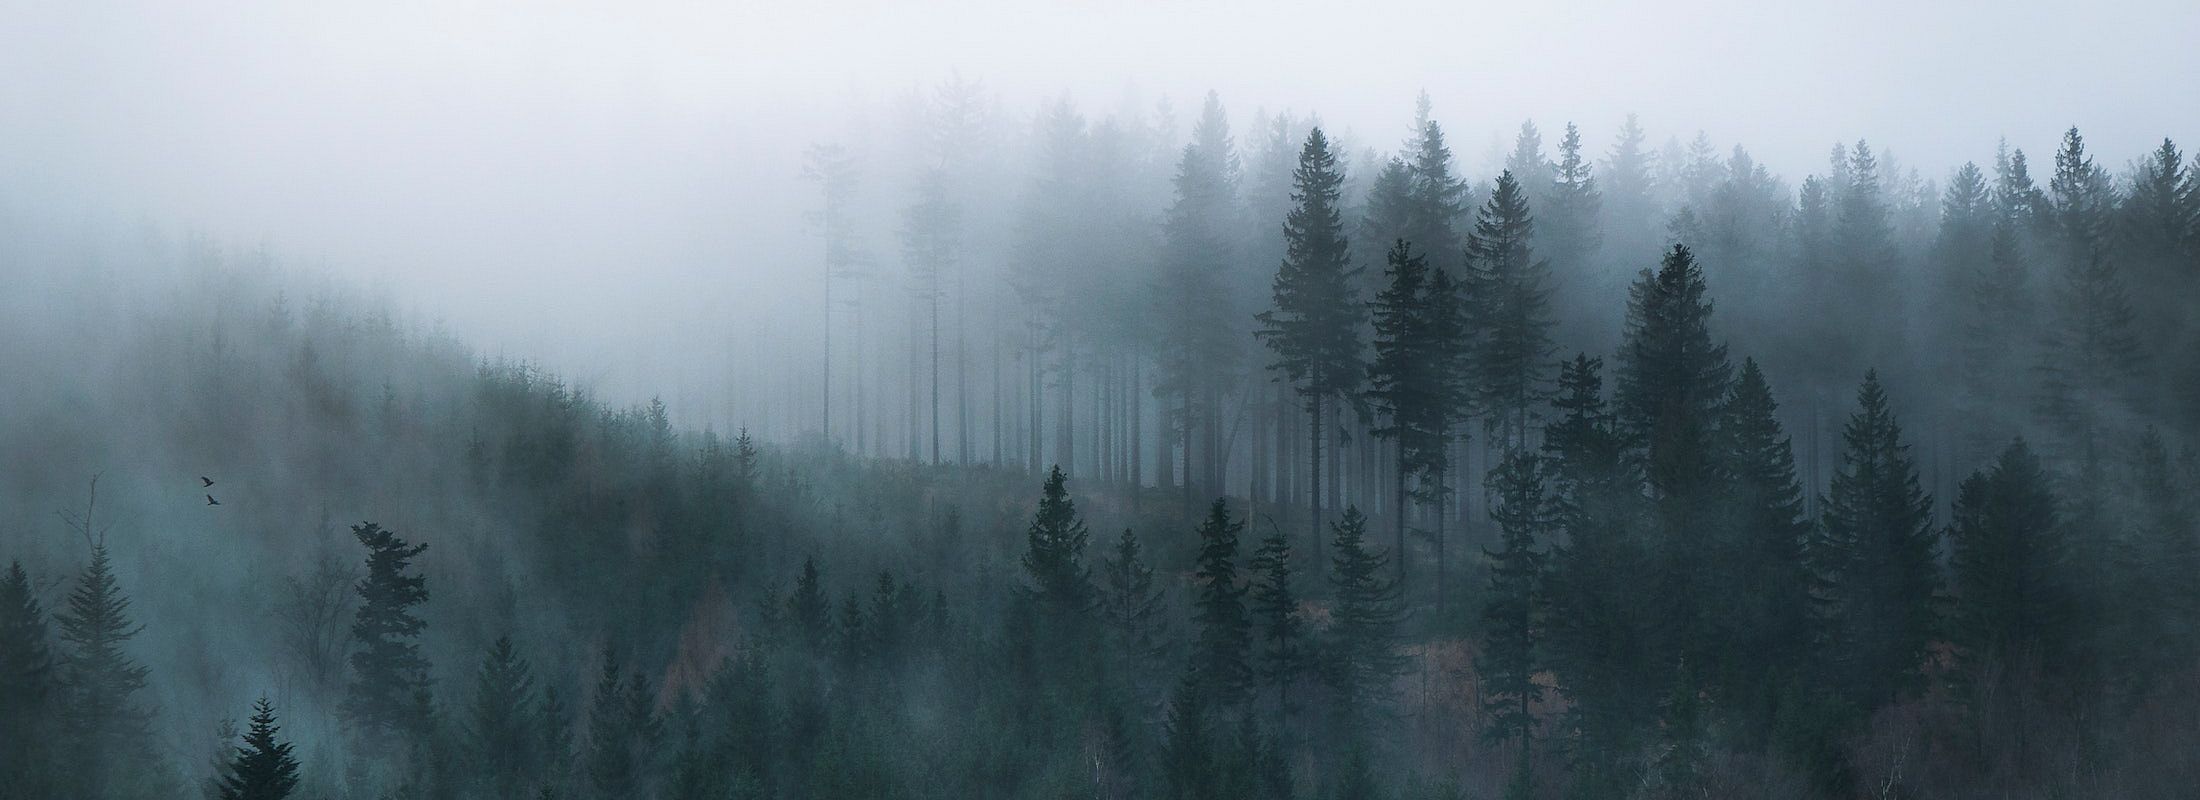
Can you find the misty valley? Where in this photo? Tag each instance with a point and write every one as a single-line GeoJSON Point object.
{"type": "Point", "coordinates": [1146, 450]}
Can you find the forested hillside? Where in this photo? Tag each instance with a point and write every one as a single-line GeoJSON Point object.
{"type": "Point", "coordinates": [1158, 465]}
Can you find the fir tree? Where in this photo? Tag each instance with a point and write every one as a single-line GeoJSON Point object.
{"type": "Point", "coordinates": [103, 725]}
{"type": "Point", "coordinates": [1314, 327]}
{"type": "Point", "coordinates": [1874, 560]}
{"type": "Point", "coordinates": [1365, 613]}
{"type": "Point", "coordinates": [1225, 632]}
{"type": "Point", "coordinates": [1197, 338]}
{"type": "Point", "coordinates": [623, 731]}
{"type": "Point", "coordinates": [2090, 358]}
{"type": "Point", "coordinates": [808, 609]}
{"type": "Point", "coordinates": [1569, 232]}
{"type": "Point", "coordinates": [263, 768]}
{"type": "Point", "coordinates": [1757, 564]}
{"type": "Point", "coordinates": [1188, 758]}
{"type": "Point", "coordinates": [1281, 633]}
{"type": "Point", "coordinates": [1055, 553]}
{"type": "Point", "coordinates": [389, 673]}
{"type": "Point", "coordinates": [1509, 300]}
{"type": "Point", "coordinates": [1509, 660]}
{"type": "Point", "coordinates": [1629, 208]}
{"type": "Point", "coordinates": [29, 692]}
{"type": "Point", "coordinates": [1529, 167]}
{"type": "Point", "coordinates": [1438, 199]}
{"type": "Point", "coordinates": [501, 726]}
{"type": "Point", "coordinates": [1130, 607]}
{"type": "Point", "coordinates": [2011, 569]}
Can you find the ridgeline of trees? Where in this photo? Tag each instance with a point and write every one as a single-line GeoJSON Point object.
{"type": "Point", "coordinates": [1662, 589]}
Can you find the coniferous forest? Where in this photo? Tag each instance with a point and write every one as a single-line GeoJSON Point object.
{"type": "Point", "coordinates": [1156, 448]}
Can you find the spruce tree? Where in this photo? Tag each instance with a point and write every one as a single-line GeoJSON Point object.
{"type": "Point", "coordinates": [1629, 206]}
{"type": "Point", "coordinates": [1054, 555]}
{"type": "Point", "coordinates": [1196, 332]}
{"type": "Point", "coordinates": [808, 609]}
{"type": "Point", "coordinates": [1875, 559]}
{"type": "Point", "coordinates": [1524, 513]}
{"type": "Point", "coordinates": [1401, 379]}
{"type": "Point", "coordinates": [1281, 633]}
{"type": "Point", "coordinates": [104, 727]}
{"type": "Point", "coordinates": [263, 768]}
{"type": "Point", "coordinates": [1314, 327]}
{"type": "Point", "coordinates": [389, 679]}
{"type": "Point", "coordinates": [1438, 199]}
{"type": "Point", "coordinates": [1758, 561]}
{"type": "Point", "coordinates": [501, 726]}
{"type": "Point", "coordinates": [29, 691]}
{"type": "Point", "coordinates": [2090, 359]}
{"type": "Point", "coordinates": [1527, 165]}
{"type": "Point", "coordinates": [1365, 612]}
{"type": "Point", "coordinates": [1189, 771]}
{"type": "Point", "coordinates": [2010, 569]}
{"type": "Point", "coordinates": [1509, 300]}
{"type": "Point", "coordinates": [1130, 607]}
{"type": "Point", "coordinates": [1570, 234]}
{"type": "Point", "coordinates": [1220, 654]}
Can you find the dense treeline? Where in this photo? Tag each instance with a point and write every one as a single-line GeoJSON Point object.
{"type": "Point", "coordinates": [1274, 413]}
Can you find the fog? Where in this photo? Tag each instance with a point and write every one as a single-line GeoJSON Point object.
{"type": "Point", "coordinates": [613, 188]}
{"type": "Point", "coordinates": [1117, 400]}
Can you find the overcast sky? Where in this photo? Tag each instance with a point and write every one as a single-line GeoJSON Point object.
{"type": "Point", "coordinates": [564, 180]}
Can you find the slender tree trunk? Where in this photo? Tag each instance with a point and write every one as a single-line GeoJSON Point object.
{"type": "Point", "coordinates": [1135, 437]}
{"type": "Point", "coordinates": [1314, 469]}
{"type": "Point", "coordinates": [935, 334]}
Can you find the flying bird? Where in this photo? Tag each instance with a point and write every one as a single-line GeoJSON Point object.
{"type": "Point", "coordinates": [211, 501]}
{"type": "Point", "coordinates": [206, 480]}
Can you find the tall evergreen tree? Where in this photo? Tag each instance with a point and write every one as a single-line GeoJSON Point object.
{"type": "Point", "coordinates": [1130, 605]}
{"type": "Point", "coordinates": [1054, 555]}
{"type": "Point", "coordinates": [29, 691]}
{"type": "Point", "coordinates": [1404, 378]}
{"type": "Point", "coordinates": [1524, 512]}
{"type": "Point", "coordinates": [2090, 359]}
{"type": "Point", "coordinates": [105, 728]}
{"type": "Point", "coordinates": [808, 609]}
{"type": "Point", "coordinates": [1197, 338]}
{"type": "Point", "coordinates": [502, 726]}
{"type": "Point", "coordinates": [2011, 569]}
{"type": "Point", "coordinates": [263, 768]}
{"type": "Point", "coordinates": [1509, 299]}
{"type": "Point", "coordinates": [1438, 198]}
{"type": "Point", "coordinates": [1220, 655]}
{"type": "Point", "coordinates": [1875, 559]}
{"type": "Point", "coordinates": [931, 242]}
{"type": "Point", "coordinates": [1758, 561]}
{"type": "Point", "coordinates": [1365, 612]}
{"type": "Point", "coordinates": [1630, 209]}
{"type": "Point", "coordinates": [1314, 327]}
{"type": "Point", "coordinates": [1283, 655]}
{"type": "Point", "coordinates": [1528, 165]}
{"type": "Point", "coordinates": [1570, 234]}
{"type": "Point", "coordinates": [387, 697]}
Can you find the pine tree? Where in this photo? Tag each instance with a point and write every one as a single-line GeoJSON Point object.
{"type": "Point", "coordinates": [1569, 232]}
{"type": "Point", "coordinates": [1874, 560]}
{"type": "Point", "coordinates": [1865, 262]}
{"type": "Point", "coordinates": [2018, 202]}
{"type": "Point", "coordinates": [1054, 555]}
{"type": "Point", "coordinates": [2090, 360]}
{"type": "Point", "coordinates": [1758, 563]}
{"type": "Point", "coordinates": [502, 727]}
{"type": "Point", "coordinates": [1220, 654]}
{"type": "Point", "coordinates": [1509, 299]}
{"type": "Point", "coordinates": [1365, 613]}
{"type": "Point", "coordinates": [1188, 758]}
{"type": "Point", "coordinates": [1672, 383]}
{"type": "Point", "coordinates": [1281, 633]}
{"type": "Point", "coordinates": [263, 768]}
{"type": "Point", "coordinates": [104, 728]}
{"type": "Point", "coordinates": [389, 673]}
{"type": "Point", "coordinates": [29, 691]}
{"type": "Point", "coordinates": [2158, 558]}
{"type": "Point", "coordinates": [1438, 199]}
{"type": "Point", "coordinates": [1197, 337]}
{"type": "Point", "coordinates": [808, 609]}
{"type": "Point", "coordinates": [1509, 659]}
{"type": "Point", "coordinates": [1597, 638]}
{"type": "Point", "coordinates": [1314, 327]}
{"type": "Point", "coordinates": [1527, 165]}
{"type": "Point", "coordinates": [1629, 207]}
{"type": "Point", "coordinates": [623, 731]}
{"type": "Point", "coordinates": [2011, 569]}
{"type": "Point", "coordinates": [1130, 606]}
{"type": "Point", "coordinates": [1414, 379]}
